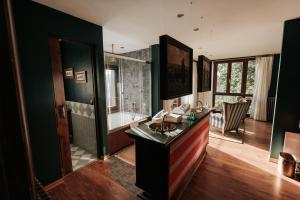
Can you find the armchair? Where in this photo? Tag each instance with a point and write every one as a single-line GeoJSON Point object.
{"type": "Point", "coordinates": [231, 117]}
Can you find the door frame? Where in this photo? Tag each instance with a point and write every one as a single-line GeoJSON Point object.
{"type": "Point", "coordinates": [95, 102]}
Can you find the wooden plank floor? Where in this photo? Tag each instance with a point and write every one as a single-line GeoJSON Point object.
{"type": "Point", "coordinates": [229, 171]}
{"type": "Point", "coordinates": [90, 183]}
{"type": "Point", "coordinates": [222, 176]}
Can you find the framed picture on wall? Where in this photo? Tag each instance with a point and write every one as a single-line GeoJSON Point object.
{"type": "Point", "coordinates": [204, 74]}
{"type": "Point", "coordinates": [176, 68]}
{"type": "Point", "coordinates": [80, 77]}
{"type": "Point", "coordinates": [69, 74]}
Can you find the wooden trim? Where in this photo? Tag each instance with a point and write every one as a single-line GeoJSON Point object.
{"type": "Point", "coordinates": [54, 184]}
{"type": "Point", "coordinates": [8, 7]}
{"type": "Point", "coordinates": [230, 94]}
{"type": "Point", "coordinates": [96, 102]}
{"type": "Point", "coordinates": [228, 81]}
{"type": "Point", "coordinates": [60, 106]}
{"type": "Point", "coordinates": [244, 58]}
{"type": "Point", "coordinates": [244, 77]}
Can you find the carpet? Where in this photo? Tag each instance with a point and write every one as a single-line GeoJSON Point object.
{"type": "Point", "coordinates": [123, 173]}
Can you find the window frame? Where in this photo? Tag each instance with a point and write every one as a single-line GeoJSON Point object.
{"type": "Point", "coordinates": [228, 78]}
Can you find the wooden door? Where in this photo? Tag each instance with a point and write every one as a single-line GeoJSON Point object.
{"type": "Point", "coordinates": [60, 107]}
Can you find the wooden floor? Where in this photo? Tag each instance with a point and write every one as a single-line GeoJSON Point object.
{"type": "Point", "coordinates": [127, 154]}
{"type": "Point", "coordinates": [229, 171]}
{"type": "Point", "coordinates": [90, 183]}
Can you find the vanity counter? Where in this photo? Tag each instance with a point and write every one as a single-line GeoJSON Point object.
{"type": "Point", "coordinates": [166, 139]}
{"type": "Point", "coordinates": [165, 163]}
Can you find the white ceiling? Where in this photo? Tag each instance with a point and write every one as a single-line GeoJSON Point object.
{"type": "Point", "coordinates": [227, 28]}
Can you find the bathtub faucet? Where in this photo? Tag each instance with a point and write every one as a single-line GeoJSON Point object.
{"type": "Point", "coordinates": [133, 112]}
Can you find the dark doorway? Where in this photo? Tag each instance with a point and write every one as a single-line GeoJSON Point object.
{"type": "Point", "coordinates": [73, 81]}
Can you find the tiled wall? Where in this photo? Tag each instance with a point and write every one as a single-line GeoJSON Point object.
{"type": "Point", "coordinates": [83, 125]}
{"type": "Point", "coordinates": [137, 81]}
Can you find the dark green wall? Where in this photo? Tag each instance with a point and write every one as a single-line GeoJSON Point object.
{"type": "Point", "coordinates": [78, 56]}
{"type": "Point", "coordinates": [287, 109]}
{"type": "Point", "coordinates": [34, 24]}
{"type": "Point", "coordinates": [157, 104]}
{"type": "Point", "coordinates": [275, 67]}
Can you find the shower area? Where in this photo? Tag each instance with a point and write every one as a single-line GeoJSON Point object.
{"type": "Point", "coordinates": [128, 94]}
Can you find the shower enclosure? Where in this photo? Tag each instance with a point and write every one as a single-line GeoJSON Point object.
{"type": "Point", "coordinates": [128, 91]}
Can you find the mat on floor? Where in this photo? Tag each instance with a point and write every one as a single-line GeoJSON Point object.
{"type": "Point", "coordinates": [123, 173]}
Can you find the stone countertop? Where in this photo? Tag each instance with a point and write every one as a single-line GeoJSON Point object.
{"type": "Point", "coordinates": [143, 131]}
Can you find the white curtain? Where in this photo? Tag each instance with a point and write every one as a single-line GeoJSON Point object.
{"type": "Point", "coordinates": [263, 74]}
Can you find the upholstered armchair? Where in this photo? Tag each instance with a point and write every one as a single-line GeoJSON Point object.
{"type": "Point", "coordinates": [231, 117]}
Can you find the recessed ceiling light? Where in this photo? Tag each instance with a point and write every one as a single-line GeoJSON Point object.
{"type": "Point", "coordinates": [180, 15]}
{"type": "Point", "coordinates": [196, 29]}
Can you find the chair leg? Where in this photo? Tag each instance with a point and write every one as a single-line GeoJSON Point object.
{"type": "Point", "coordinates": [243, 137]}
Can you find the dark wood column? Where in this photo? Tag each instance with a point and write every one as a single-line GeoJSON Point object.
{"type": "Point", "coordinates": [16, 171]}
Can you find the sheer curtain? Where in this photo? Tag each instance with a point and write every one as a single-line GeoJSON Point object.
{"type": "Point", "coordinates": [263, 74]}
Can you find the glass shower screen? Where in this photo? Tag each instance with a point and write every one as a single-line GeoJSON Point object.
{"type": "Point", "coordinates": [128, 90]}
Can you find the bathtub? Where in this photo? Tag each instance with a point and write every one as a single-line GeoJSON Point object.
{"type": "Point", "coordinates": [118, 123]}
{"type": "Point", "coordinates": [118, 120]}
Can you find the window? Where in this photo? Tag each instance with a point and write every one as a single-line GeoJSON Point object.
{"type": "Point", "coordinates": [112, 94]}
{"type": "Point", "coordinates": [233, 78]}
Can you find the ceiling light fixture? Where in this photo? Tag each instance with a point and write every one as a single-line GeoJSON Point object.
{"type": "Point", "coordinates": [180, 15]}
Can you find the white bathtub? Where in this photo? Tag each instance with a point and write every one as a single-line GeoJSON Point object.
{"type": "Point", "coordinates": [120, 119]}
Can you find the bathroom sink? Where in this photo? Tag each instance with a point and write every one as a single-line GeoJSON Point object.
{"type": "Point", "coordinates": [162, 127]}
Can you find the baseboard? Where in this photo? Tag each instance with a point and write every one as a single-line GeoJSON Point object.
{"type": "Point", "coordinates": [53, 185]}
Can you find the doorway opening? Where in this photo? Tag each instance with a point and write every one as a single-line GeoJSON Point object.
{"type": "Point", "coordinates": [73, 80]}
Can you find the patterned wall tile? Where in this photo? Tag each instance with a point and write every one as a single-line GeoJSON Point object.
{"type": "Point", "coordinates": [83, 125]}
{"type": "Point", "coordinates": [82, 109]}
